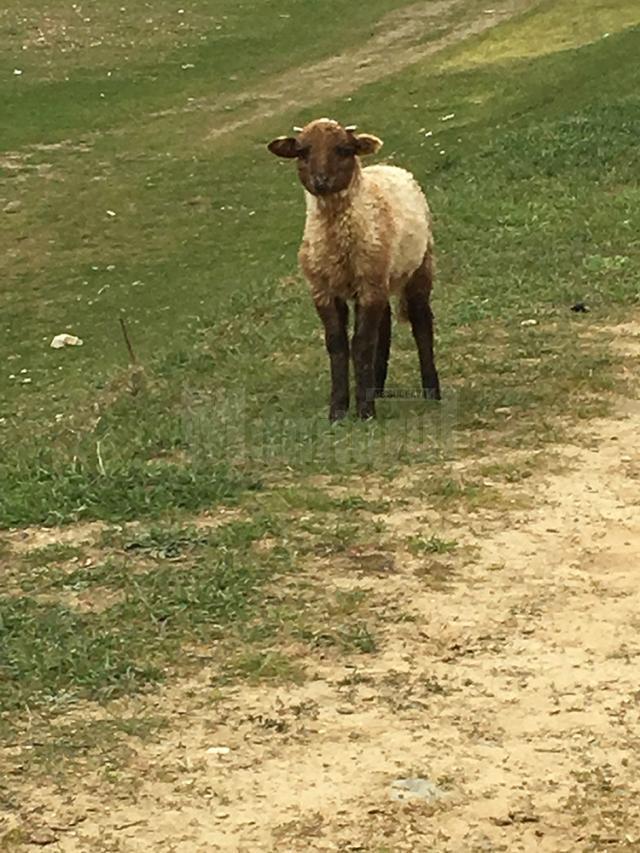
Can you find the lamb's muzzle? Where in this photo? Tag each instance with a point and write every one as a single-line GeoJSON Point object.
{"type": "Point", "coordinates": [367, 236]}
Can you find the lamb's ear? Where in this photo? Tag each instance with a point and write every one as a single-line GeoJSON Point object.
{"type": "Point", "coordinates": [367, 144]}
{"type": "Point", "coordinates": [284, 146]}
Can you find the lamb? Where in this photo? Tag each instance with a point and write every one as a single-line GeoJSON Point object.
{"type": "Point", "coordinates": [367, 237]}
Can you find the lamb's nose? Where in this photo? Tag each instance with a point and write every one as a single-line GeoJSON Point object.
{"type": "Point", "coordinates": [321, 183]}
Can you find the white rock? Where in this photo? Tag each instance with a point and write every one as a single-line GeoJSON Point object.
{"type": "Point", "coordinates": [65, 340]}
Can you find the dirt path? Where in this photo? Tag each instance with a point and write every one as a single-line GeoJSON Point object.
{"type": "Point", "coordinates": [401, 38]}
{"type": "Point", "coordinates": [507, 680]}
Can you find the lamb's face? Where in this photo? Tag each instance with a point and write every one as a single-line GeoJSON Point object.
{"type": "Point", "coordinates": [326, 153]}
{"type": "Point", "coordinates": [326, 158]}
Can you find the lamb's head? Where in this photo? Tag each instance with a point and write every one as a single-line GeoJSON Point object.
{"type": "Point", "coordinates": [327, 154]}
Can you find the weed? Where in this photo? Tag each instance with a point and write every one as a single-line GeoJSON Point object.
{"type": "Point", "coordinates": [431, 545]}
{"type": "Point", "coordinates": [261, 666]}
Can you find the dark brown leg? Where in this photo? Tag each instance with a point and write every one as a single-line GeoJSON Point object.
{"type": "Point", "coordinates": [363, 347]}
{"type": "Point", "coordinates": [382, 350]}
{"type": "Point", "coordinates": [335, 318]}
{"type": "Point", "coordinates": [417, 294]}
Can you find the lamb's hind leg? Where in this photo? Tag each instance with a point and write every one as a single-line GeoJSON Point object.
{"type": "Point", "coordinates": [382, 350]}
{"type": "Point", "coordinates": [417, 295]}
{"type": "Point", "coordinates": [335, 318]}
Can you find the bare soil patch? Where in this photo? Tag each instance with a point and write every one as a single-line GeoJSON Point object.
{"type": "Point", "coordinates": [29, 538]}
{"type": "Point", "coordinates": [402, 38]}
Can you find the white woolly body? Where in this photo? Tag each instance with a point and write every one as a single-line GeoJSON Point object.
{"type": "Point", "coordinates": [368, 240]}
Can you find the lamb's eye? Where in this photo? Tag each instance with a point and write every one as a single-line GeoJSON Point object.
{"type": "Point", "coordinates": [344, 151]}
{"type": "Point", "coordinates": [303, 153]}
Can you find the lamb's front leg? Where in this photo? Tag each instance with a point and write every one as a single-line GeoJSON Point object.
{"type": "Point", "coordinates": [365, 340]}
{"type": "Point", "coordinates": [335, 317]}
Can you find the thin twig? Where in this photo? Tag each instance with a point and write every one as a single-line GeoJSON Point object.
{"type": "Point", "coordinates": [130, 823]}
{"type": "Point", "coordinates": [127, 340]}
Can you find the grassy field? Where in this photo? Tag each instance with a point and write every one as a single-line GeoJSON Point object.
{"type": "Point", "coordinates": [123, 196]}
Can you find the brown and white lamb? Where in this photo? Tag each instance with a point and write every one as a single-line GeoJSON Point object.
{"type": "Point", "coordinates": [367, 236]}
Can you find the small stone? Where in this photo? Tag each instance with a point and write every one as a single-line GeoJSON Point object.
{"type": "Point", "coordinates": [416, 788]}
{"type": "Point", "coordinates": [12, 207]}
{"type": "Point", "coordinates": [65, 340]}
{"type": "Point", "coordinates": [43, 837]}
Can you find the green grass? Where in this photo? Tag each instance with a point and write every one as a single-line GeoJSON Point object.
{"type": "Point", "coordinates": [431, 545]}
{"type": "Point", "coordinates": [108, 63]}
{"type": "Point", "coordinates": [100, 629]}
{"type": "Point", "coordinates": [55, 488]}
{"type": "Point", "coordinates": [262, 666]}
{"type": "Point", "coordinates": [536, 207]}
{"type": "Point", "coordinates": [50, 648]}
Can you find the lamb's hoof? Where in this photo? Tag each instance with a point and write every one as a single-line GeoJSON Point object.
{"type": "Point", "coordinates": [337, 415]}
{"type": "Point", "coordinates": [432, 393]}
{"type": "Point", "coordinates": [367, 412]}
